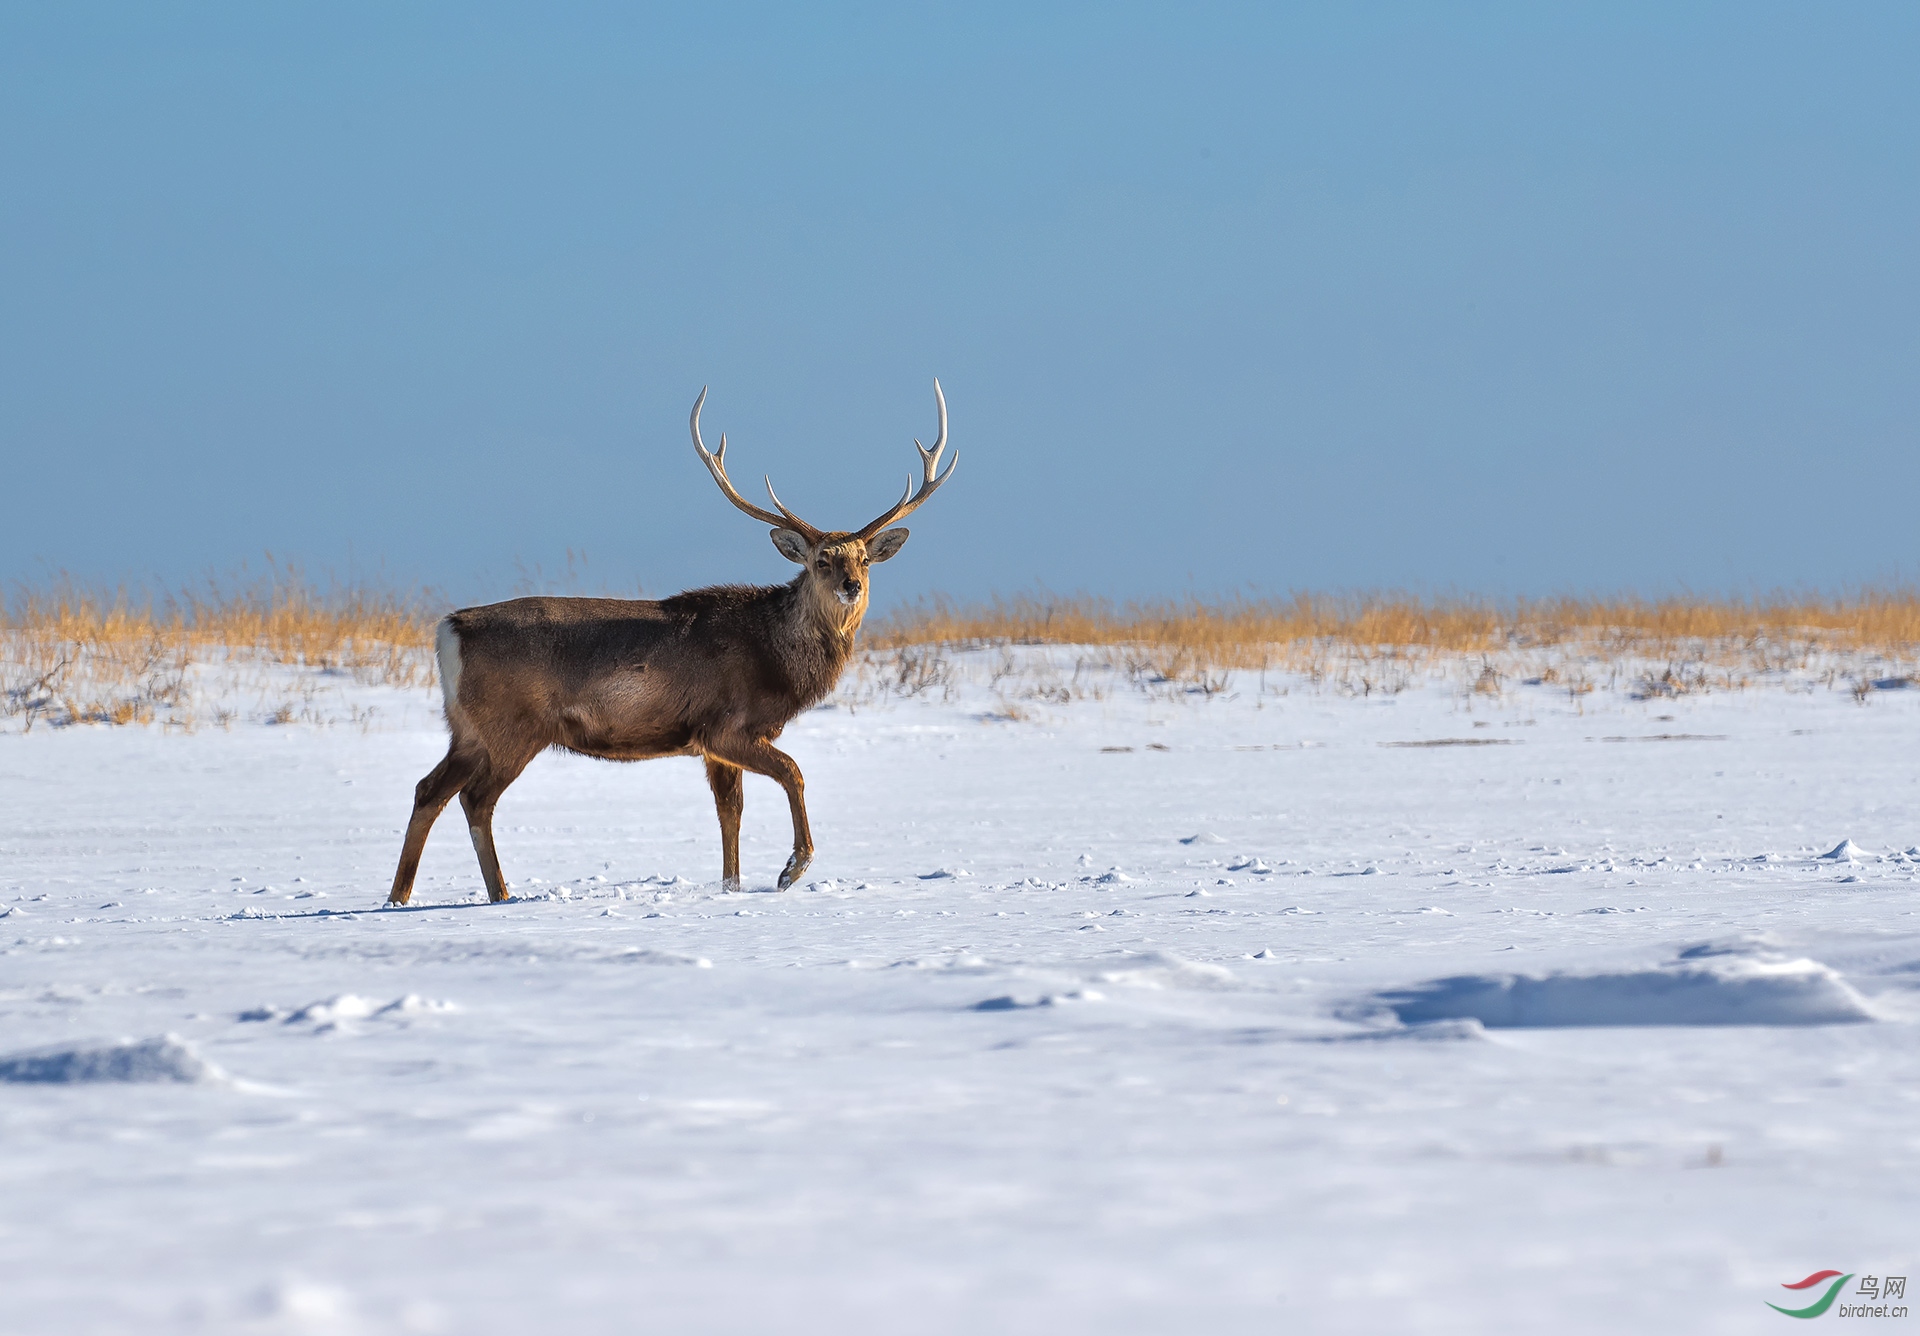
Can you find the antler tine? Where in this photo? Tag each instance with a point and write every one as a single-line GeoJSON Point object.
{"type": "Point", "coordinates": [716, 465]}
{"type": "Point", "coordinates": [931, 477]}
{"type": "Point", "coordinates": [793, 520]}
{"type": "Point", "coordinates": [940, 443]}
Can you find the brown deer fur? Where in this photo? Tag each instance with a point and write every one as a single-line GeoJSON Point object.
{"type": "Point", "coordinates": [715, 673]}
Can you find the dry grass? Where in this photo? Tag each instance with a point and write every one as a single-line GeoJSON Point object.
{"type": "Point", "coordinates": [75, 655]}
{"type": "Point", "coordinates": [1382, 642]}
{"type": "Point", "coordinates": [1244, 633]}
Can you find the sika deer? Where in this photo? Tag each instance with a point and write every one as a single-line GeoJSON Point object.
{"type": "Point", "coordinates": [715, 673]}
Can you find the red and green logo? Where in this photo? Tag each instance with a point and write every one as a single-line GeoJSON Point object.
{"type": "Point", "coordinates": [1824, 1302]}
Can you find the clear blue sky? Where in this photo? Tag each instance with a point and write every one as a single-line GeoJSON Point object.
{"type": "Point", "coordinates": [1517, 298]}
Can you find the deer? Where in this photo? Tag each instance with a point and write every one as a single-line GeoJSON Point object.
{"type": "Point", "coordinates": [717, 673]}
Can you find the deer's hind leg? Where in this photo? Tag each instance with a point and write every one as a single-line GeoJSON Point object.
{"type": "Point", "coordinates": [430, 798]}
{"type": "Point", "coordinates": [728, 800]}
{"type": "Point", "coordinates": [477, 798]}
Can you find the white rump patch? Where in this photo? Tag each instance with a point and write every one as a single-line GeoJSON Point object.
{"type": "Point", "coordinates": [446, 653]}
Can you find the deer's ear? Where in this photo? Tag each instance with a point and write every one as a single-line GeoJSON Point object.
{"type": "Point", "coordinates": [791, 545]}
{"type": "Point", "coordinates": [885, 544]}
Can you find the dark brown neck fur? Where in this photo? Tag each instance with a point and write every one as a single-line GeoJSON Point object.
{"type": "Point", "coordinates": [800, 641]}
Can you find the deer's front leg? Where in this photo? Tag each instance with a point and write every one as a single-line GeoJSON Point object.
{"type": "Point", "coordinates": [728, 799]}
{"type": "Point", "coordinates": [763, 758]}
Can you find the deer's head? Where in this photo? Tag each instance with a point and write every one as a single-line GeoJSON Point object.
{"type": "Point", "coordinates": [835, 563]}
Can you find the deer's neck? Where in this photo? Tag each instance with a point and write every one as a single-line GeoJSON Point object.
{"type": "Point", "coordinates": [818, 636]}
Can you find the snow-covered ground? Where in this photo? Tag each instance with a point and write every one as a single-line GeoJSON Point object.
{"type": "Point", "coordinates": [1121, 1008]}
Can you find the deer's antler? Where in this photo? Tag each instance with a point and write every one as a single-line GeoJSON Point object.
{"type": "Point", "coordinates": [931, 478]}
{"type": "Point", "coordinates": [716, 462]}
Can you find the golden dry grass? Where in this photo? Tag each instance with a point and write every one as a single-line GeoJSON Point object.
{"type": "Point", "coordinates": [83, 655]}
{"type": "Point", "coordinates": [77, 655]}
{"type": "Point", "coordinates": [1244, 633]}
{"type": "Point", "coordinates": [1383, 641]}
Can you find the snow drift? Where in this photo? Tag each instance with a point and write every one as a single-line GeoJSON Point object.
{"type": "Point", "coordinates": [165, 1058]}
{"type": "Point", "coordinates": [1705, 985]}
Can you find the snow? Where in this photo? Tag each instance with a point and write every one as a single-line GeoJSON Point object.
{"type": "Point", "coordinates": [1736, 989]}
{"type": "Point", "coordinates": [163, 1059]}
{"type": "Point", "coordinates": [1218, 1031]}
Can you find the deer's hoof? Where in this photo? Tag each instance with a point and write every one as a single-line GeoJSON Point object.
{"type": "Point", "coordinates": [795, 866]}
{"type": "Point", "coordinates": [399, 899]}
{"type": "Point", "coordinates": [729, 883]}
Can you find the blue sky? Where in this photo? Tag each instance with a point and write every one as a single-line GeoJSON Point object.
{"type": "Point", "coordinates": [1225, 298]}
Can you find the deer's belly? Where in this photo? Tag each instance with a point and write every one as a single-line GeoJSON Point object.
{"type": "Point", "coordinates": [592, 729]}
{"type": "Point", "coordinates": [609, 750]}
